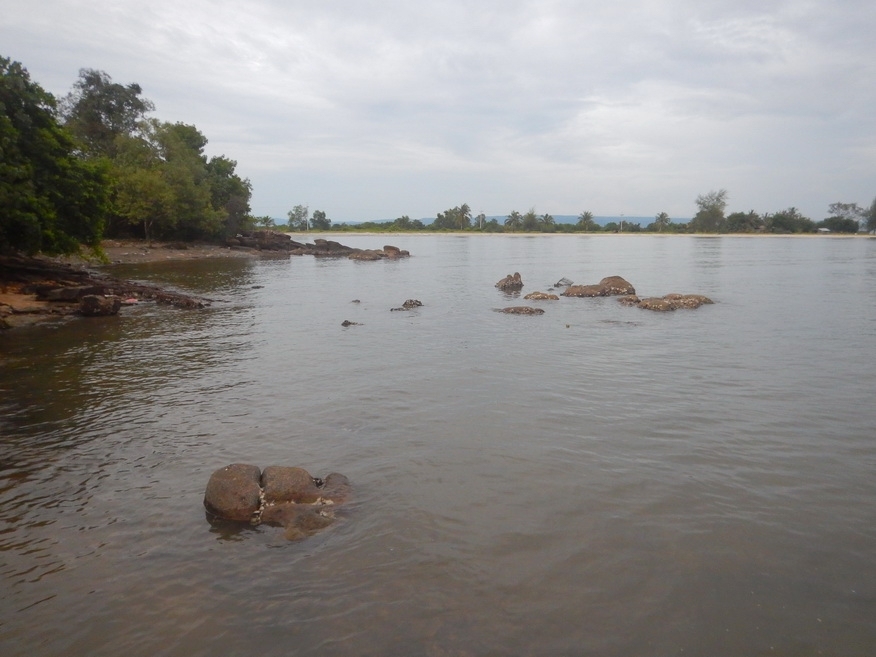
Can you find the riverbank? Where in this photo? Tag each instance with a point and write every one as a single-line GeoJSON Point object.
{"type": "Point", "coordinates": [25, 281]}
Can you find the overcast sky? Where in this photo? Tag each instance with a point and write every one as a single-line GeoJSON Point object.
{"type": "Point", "coordinates": [382, 108]}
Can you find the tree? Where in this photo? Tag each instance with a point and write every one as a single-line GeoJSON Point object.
{"type": "Point", "coordinates": [481, 219]}
{"type": "Point", "coordinates": [98, 110]}
{"type": "Point", "coordinates": [530, 220]}
{"type": "Point", "coordinates": [662, 221]}
{"type": "Point", "coordinates": [743, 222]}
{"type": "Point", "coordinates": [50, 200]}
{"type": "Point", "coordinates": [319, 221]}
{"type": "Point", "coordinates": [298, 217]}
{"type": "Point", "coordinates": [871, 216]}
{"type": "Point", "coordinates": [458, 218]}
{"type": "Point", "coordinates": [585, 221]}
{"type": "Point", "coordinates": [514, 220]}
{"type": "Point", "coordinates": [548, 223]}
{"type": "Point", "coordinates": [789, 221]}
{"type": "Point", "coordinates": [711, 212]}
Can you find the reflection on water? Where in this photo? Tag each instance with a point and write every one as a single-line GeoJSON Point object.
{"type": "Point", "coordinates": [597, 480]}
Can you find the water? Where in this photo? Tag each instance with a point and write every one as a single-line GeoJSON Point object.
{"type": "Point", "coordinates": [599, 480]}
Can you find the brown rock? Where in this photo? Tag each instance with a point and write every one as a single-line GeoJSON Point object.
{"type": "Point", "coordinates": [285, 484]}
{"type": "Point", "coordinates": [608, 286]}
{"type": "Point", "coordinates": [93, 305]}
{"type": "Point", "coordinates": [542, 296]}
{"type": "Point", "coordinates": [510, 282]}
{"type": "Point", "coordinates": [336, 488]}
{"type": "Point", "coordinates": [233, 492]}
{"type": "Point", "coordinates": [657, 303]}
{"type": "Point", "coordinates": [629, 300]}
{"type": "Point", "coordinates": [523, 310]}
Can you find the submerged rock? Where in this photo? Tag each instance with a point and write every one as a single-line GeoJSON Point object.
{"type": "Point", "coordinates": [667, 302]}
{"type": "Point", "coordinates": [234, 493]}
{"type": "Point", "coordinates": [99, 305]}
{"type": "Point", "coordinates": [410, 304]}
{"type": "Point", "coordinates": [522, 310]}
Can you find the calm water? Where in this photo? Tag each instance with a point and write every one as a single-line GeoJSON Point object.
{"type": "Point", "coordinates": [599, 480]}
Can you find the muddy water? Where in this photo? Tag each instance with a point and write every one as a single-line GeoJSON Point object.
{"type": "Point", "coordinates": [598, 480]}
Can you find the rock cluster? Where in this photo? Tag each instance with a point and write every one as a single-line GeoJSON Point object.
{"type": "Point", "coordinates": [267, 240]}
{"type": "Point", "coordinates": [287, 497]}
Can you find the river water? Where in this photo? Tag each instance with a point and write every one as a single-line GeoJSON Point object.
{"type": "Point", "coordinates": [598, 480]}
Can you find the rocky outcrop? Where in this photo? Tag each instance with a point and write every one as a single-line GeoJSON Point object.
{"type": "Point", "coordinates": [522, 310]}
{"type": "Point", "coordinates": [267, 240]}
{"type": "Point", "coordinates": [667, 302]}
{"type": "Point", "coordinates": [542, 296]}
{"type": "Point", "coordinates": [93, 305]}
{"type": "Point", "coordinates": [510, 282]}
{"type": "Point", "coordinates": [609, 286]}
{"type": "Point", "coordinates": [283, 496]}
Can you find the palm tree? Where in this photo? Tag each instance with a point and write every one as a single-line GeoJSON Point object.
{"type": "Point", "coordinates": [585, 221]}
{"type": "Point", "coordinates": [514, 220]}
{"type": "Point", "coordinates": [662, 221]}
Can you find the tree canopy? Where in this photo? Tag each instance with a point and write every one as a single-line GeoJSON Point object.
{"type": "Point", "coordinates": [51, 200]}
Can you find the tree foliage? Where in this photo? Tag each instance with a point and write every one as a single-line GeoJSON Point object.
{"type": "Point", "coordinates": [458, 218]}
{"type": "Point", "coordinates": [586, 222]}
{"type": "Point", "coordinates": [711, 212]}
{"type": "Point", "coordinates": [298, 217]}
{"type": "Point", "coordinates": [319, 221]}
{"type": "Point", "coordinates": [51, 200]}
{"type": "Point", "coordinates": [98, 111]}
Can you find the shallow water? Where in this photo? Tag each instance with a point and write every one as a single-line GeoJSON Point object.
{"type": "Point", "coordinates": [598, 480]}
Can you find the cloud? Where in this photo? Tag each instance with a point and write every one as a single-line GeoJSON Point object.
{"type": "Point", "coordinates": [375, 109]}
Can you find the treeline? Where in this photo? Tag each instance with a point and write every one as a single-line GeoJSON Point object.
{"type": "Point", "coordinates": [710, 218]}
{"type": "Point", "coordinates": [94, 164]}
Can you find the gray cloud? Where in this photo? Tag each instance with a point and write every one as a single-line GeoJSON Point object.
{"type": "Point", "coordinates": [375, 109]}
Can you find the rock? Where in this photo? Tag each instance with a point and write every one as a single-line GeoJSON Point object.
{"type": "Point", "coordinates": [563, 282]}
{"type": "Point", "coordinates": [336, 488]}
{"type": "Point", "coordinates": [233, 492]}
{"type": "Point", "coordinates": [410, 304]}
{"type": "Point", "coordinates": [93, 305]}
{"type": "Point", "coordinates": [347, 322]}
{"type": "Point", "coordinates": [542, 296]}
{"type": "Point", "coordinates": [394, 252]}
{"type": "Point", "coordinates": [666, 302]}
{"type": "Point", "coordinates": [69, 293]}
{"type": "Point", "coordinates": [298, 520]}
{"type": "Point", "coordinates": [510, 282]}
{"type": "Point", "coordinates": [609, 286]}
{"type": "Point", "coordinates": [523, 310]}
{"type": "Point", "coordinates": [285, 484]}
{"type": "Point", "coordinates": [366, 255]}
{"type": "Point", "coordinates": [656, 303]}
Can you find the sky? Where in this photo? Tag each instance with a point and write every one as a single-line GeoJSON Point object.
{"type": "Point", "coordinates": [374, 109]}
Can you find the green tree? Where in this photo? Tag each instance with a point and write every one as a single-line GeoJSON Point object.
{"type": "Point", "coordinates": [50, 200]}
{"type": "Point", "coordinates": [319, 221]}
{"type": "Point", "coordinates": [548, 223]}
{"type": "Point", "coordinates": [98, 110]}
{"type": "Point", "coordinates": [742, 222]}
{"type": "Point", "coordinates": [662, 221]}
{"type": "Point", "coordinates": [230, 195]}
{"type": "Point", "coordinates": [839, 224]}
{"type": "Point", "coordinates": [298, 217]}
{"type": "Point", "coordinates": [871, 217]}
{"type": "Point", "coordinates": [458, 218]}
{"type": "Point", "coordinates": [530, 220]}
{"type": "Point", "coordinates": [711, 212]}
{"type": "Point", "coordinates": [514, 221]}
{"type": "Point", "coordinates": [585, 221]}
{"type": "Point", "coordinates": [789, 221]}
